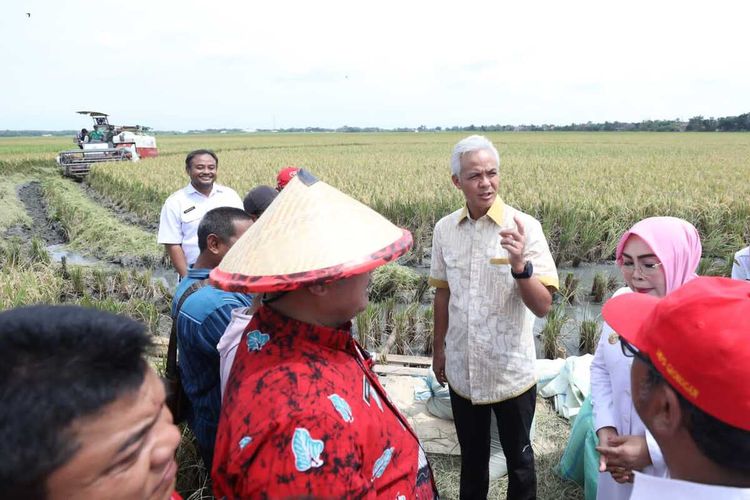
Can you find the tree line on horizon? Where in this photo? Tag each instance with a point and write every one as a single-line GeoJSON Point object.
{"type": "Point", "coordinates": [739, 123]}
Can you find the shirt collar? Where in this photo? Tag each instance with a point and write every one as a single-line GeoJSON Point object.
{"type": "Point", "coordinates": [334, 338]}
{"type": "Point", "coordinates": [496, 212]}
{"type": "Point", "coordinates": [214, 189]}
{"type": "Point", "coordinates": [199, 274]}
{"type": "Point", "coordinates": [647, 487]}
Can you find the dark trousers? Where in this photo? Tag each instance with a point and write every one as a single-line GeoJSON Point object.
{"type": "Point", "coordinates": [514, 418]}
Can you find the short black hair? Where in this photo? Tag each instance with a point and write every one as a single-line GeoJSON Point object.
{"type": "Point", "coordinates": [199, 152]}
{"type": "Point", "coordinates": [723, 444]}
{"type": "Point", "coordinates": [60, 363]}
{"type": "Point", "coordinates": [219, 221]}
{"type": "Point", "coordinates": [258, 199]}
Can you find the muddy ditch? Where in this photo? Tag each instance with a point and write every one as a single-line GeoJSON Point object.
{"type": "Point", "coordinates": [121, 213]}
{"type": "Point", "coordinates": [42, 227]}
{"type": "Point", "coordinates": [55, 237]}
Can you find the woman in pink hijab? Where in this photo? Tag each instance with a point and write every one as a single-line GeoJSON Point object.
{"type": "Point", "coordinates": [656, 256]}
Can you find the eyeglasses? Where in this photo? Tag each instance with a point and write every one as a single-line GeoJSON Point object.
{"type": "Point", "coordinates": [646, 269]}
{"type": "Point", "coordinates": [630, 351]}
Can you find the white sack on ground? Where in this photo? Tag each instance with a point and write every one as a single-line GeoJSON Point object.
{"type": "Point", "coordinates": [571, 385]}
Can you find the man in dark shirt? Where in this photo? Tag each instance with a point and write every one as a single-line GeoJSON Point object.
{"type": "Point", "coordinates": [202, 319]}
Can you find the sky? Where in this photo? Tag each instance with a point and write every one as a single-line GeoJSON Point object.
{"type": "Point", "coordinates": [181, 65]}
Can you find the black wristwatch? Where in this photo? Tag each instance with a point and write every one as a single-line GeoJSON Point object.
{"type": "Point", "coordinates": [528, 270]}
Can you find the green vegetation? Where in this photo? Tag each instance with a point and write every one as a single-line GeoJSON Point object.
{"type": "Point", "coordinates": [12, 211]}
{"type": "Point", "coordinates": [394, 281]}
{"type": "Point", "coordinates": [586, 188]}
{"type": "Point", "coordinates": [551, 335]}
{"type": "Point", "coordinates": [569, 288]}
{"type": "Point", "coordinates": [598, 288]}
{"type": "Point", "coordinates": [588, 335]}
{"type": "Point", "coordinates": [28, 278]}
{"type": "Point", "coordinates": [92, 229]}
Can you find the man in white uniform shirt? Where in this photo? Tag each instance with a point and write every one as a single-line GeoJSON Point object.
{"type": "Point", "coordinates": [493, 272]}
{"type": "Point", "coordinates": [741, 265]}
{"type": "Point", "coordinates": [184, 209]}
{"type": "Point", "coordinates": [689, 385]}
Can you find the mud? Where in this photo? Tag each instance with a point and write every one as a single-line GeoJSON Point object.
{"type": "Point", "coordinates": [55, 237]}
{"type": "Point", "coordinates": [42, 226]}
{"type": "Point", "coordinates": [122, 213]}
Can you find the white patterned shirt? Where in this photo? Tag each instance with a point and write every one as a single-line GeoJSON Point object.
{"type": "Point", "coordinates": [489, 347]}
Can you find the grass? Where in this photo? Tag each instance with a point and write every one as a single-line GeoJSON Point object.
{"type": "Point", "coordinates": [599, 287]}
{"type": "Point", "coordinates": [586, 188]}
{"type": "Point", "coordinates": [391, 327]}
{"type": "Point", "coordinates": [569, 288]}
{"type": "Point", "coordinates": [551, 334]}
{"type": "Point", "coordinates": [613, 283]}
{"type": "Point", "coordinates": [27, 277]}
{"type": "Point", "coordinates": [12, 211]}
{"type": "Point", "coordinates": [193, 480]}
{"type": "Point", "coordinates": [551, 435]}
{"type": "Point", "coordinates": [715, 267]}
{"type": "Point", "coordinates": [588, 335]}
{"type": "Point", "coordinates": [394, 281]}
{"type": "Point", "coordinates": [93, 230]}
{"type": "Point", "coordinates": [20, 286]}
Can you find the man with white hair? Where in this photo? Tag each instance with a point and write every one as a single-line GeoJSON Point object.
{"type": "Point", "coordinates": [492, 269]}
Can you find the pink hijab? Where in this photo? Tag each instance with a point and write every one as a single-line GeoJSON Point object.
{"type": "Point", "coordinates": [674, 241]}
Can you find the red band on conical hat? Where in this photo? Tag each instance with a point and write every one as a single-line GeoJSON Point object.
{"type": "Point", "coordinates": [286, 282]}
{"type": "Point", "coordinates": [311, 233]}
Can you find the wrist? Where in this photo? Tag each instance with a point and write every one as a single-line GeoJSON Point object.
{"type": "Point", "coordinates": [524, 273]}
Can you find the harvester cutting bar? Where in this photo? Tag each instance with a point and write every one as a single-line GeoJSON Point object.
{"type": "Point", "coordinates": [95, 156]}
{"type": "Point", "coordinates": [76, 170]}
{"type": "Point", "coordinates": [77, 163]}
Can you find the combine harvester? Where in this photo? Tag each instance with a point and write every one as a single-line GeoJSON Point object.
{"type": "Point", "coordinates": [105, 143]}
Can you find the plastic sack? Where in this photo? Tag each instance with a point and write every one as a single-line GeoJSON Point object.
{"type": "Point", "coordinates": [570, 386]}
{"type": "Point", "coordinates": [580, 460]}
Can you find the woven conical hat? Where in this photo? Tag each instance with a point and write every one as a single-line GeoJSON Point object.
{"type": "Point", "coordinates": [311, 234]}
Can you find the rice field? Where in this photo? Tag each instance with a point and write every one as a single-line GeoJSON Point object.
{"type": "Point", "coordinates": [586, 188]}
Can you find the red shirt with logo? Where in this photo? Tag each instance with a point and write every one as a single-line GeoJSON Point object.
{"type": "Point", "coordinates": [304, 415]}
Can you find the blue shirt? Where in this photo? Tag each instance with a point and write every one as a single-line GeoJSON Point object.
{"type": "Point", "coordinates": [202, 321]}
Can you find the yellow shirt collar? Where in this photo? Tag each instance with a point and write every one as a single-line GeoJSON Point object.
{"type": "Point", "coordinates": [496, 212]}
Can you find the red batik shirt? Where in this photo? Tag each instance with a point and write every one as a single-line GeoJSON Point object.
{"type": "Point", "coordinates": [304, 416]}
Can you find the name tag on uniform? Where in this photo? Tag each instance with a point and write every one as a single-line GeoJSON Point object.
{"type": "Point", "coordinates": [189, 209]}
